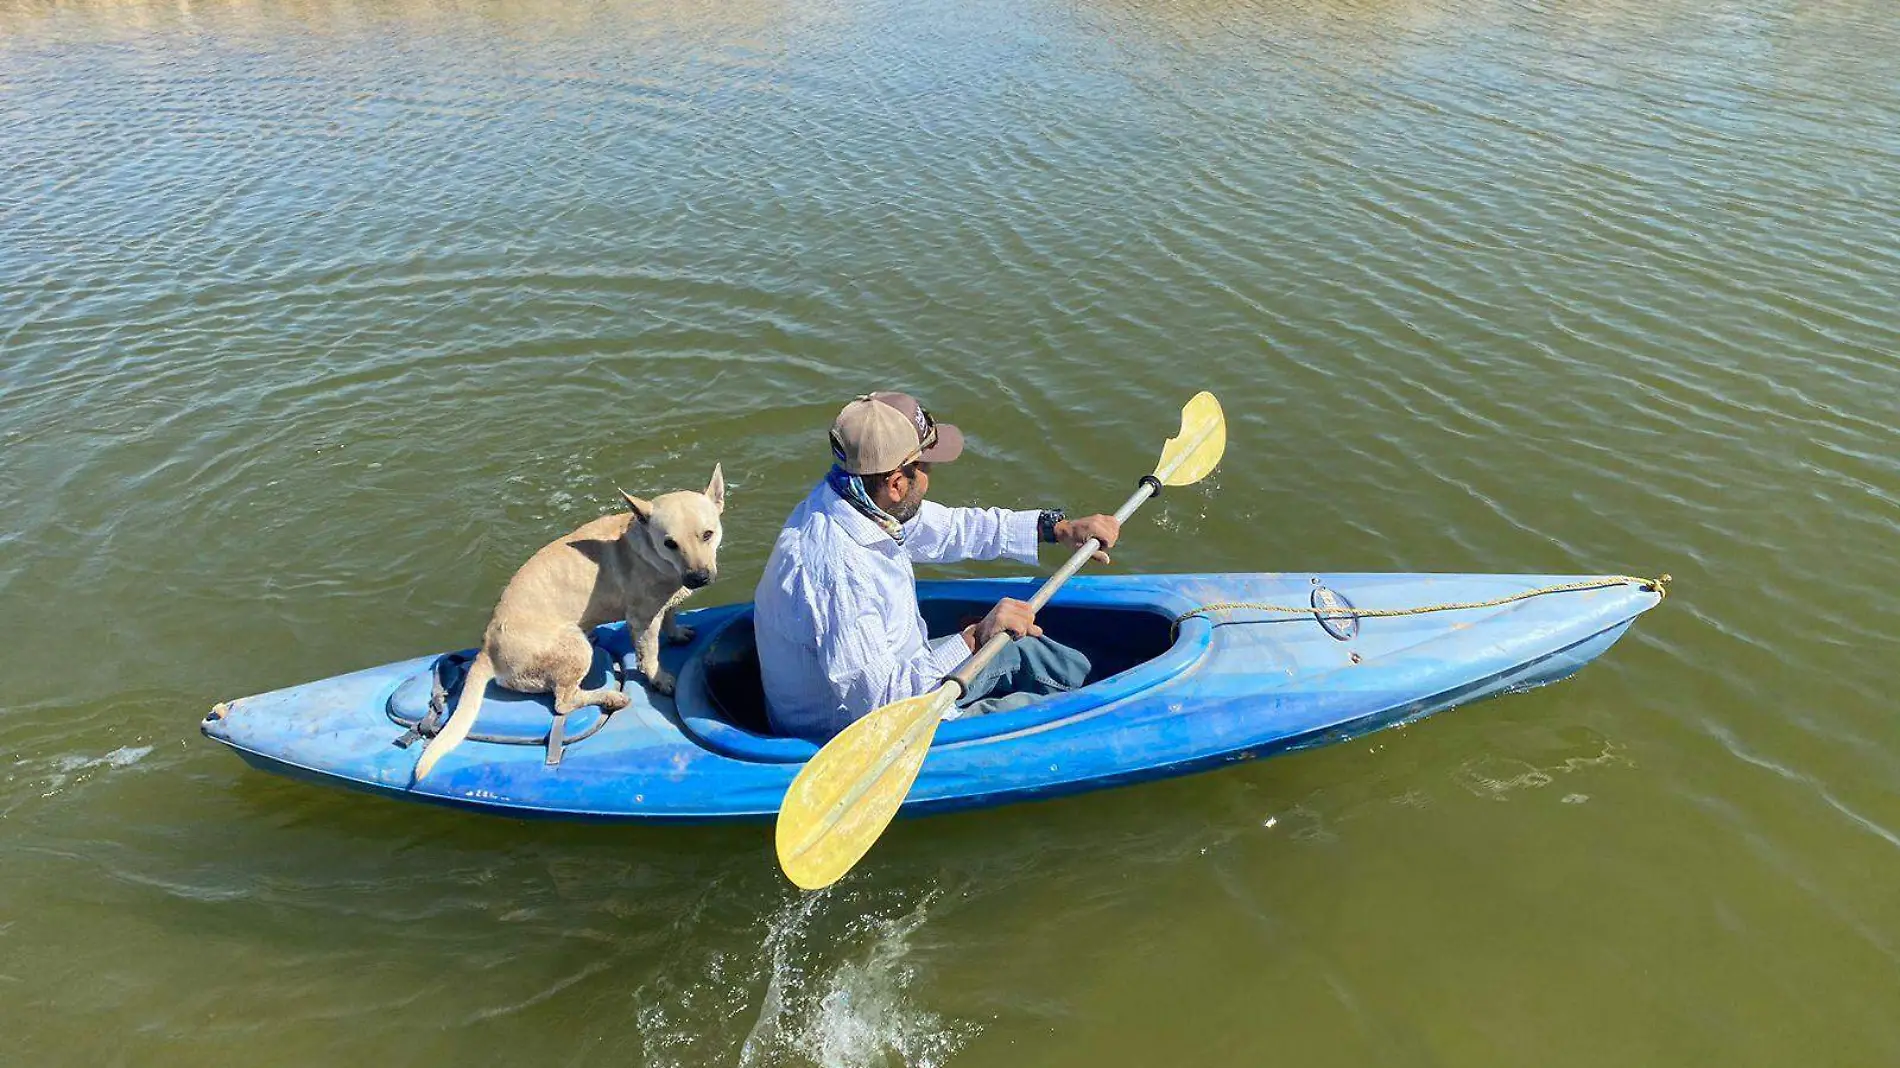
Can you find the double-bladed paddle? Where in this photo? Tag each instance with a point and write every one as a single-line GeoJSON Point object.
{"type": "Point", "coordinates": [849, 791]}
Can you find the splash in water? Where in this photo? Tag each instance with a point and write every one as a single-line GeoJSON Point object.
{"type": "Point", "coordinates": [844, 999]}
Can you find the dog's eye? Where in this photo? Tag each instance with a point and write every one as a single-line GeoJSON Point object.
{"type": "Point", "coordinates": [671, 544]}
{"type": "Point", "coordinates": [705, 535]}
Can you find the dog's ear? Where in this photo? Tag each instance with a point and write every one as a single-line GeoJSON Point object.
{"type": "Point", "coordinates": [716, 489]}
{"type": "Point", "coordinates": [642, 510]}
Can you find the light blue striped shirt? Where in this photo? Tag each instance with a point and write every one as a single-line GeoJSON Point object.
{"type": "Point", "coordinates": [839, 631]}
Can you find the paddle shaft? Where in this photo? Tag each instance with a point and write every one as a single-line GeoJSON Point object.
{"type": "Point", "coordinates": [980, 659]}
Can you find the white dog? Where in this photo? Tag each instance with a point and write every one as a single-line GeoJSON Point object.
{"type": "Point", "coordinates": [637, 566]}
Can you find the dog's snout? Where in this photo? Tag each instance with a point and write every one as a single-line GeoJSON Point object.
{"type": "Point", "coordinates": [699, 577]}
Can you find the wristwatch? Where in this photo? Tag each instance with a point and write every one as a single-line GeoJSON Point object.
{"type": "Point", "coordinates": [1046, 523]}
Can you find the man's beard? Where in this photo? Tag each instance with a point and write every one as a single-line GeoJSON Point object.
{"type": "Point", "coordinates": [906, 510]}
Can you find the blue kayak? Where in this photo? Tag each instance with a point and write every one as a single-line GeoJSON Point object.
{"type": "Point", "coordinates": [1190, 672]}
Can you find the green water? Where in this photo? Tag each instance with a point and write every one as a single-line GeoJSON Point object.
{"type": "Point", "coordinates": [315, 319]}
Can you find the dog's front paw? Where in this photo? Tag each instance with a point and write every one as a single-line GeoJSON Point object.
{"type": "Point", "coordinates": [680, 634]}
{"type": "Point", "coordinates": [662, 682]}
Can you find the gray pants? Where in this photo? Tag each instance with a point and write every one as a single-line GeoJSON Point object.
{"type": "Point", "coordinates": [1023, 671]}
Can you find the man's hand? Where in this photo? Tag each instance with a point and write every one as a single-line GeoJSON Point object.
{"type": "Point", "coordinates": [1009, 615]}
{"type": "Point", "coordinates": [1075, 533]}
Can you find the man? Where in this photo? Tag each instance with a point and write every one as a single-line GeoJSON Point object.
{"type": "Point", "coordinates": [839, 630]}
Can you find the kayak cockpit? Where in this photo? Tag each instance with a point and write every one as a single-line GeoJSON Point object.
{"type": "Point", "coordinates": [721, 701]}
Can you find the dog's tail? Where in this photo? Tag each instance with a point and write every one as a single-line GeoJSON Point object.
{"type": "Point", "coordinates": [462, 719]}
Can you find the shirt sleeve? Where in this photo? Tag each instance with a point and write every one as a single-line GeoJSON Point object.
{"type": "Point", "coordinates": [864, 671]}
{"type": "Point", "coordinates": [940, 535]}
{"type": "Point", "coordinates": [949, 652]}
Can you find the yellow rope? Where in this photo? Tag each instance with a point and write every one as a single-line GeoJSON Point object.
{"type": "Point", "coordinates": [1659, 585]}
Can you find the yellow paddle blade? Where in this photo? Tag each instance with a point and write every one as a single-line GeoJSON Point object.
{"type": "Point", "coordinates": [1191, 454]}
{"type": "Point", "coordinates": [847, 793]}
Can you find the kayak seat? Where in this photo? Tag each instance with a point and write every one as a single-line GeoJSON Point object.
{"type": "Point", "coordinates": [734, 685]}
{"type": "Point", "coordinates": [721, 700]}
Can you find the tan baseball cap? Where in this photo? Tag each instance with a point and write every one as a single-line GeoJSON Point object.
{"type": "Point", "coordinates": [881, 432]}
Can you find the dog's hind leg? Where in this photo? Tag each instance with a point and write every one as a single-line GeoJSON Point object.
{"type": "Point", "coordinates": [565, 666]}
{"type": "Point", "coordinates": [570, 696]}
